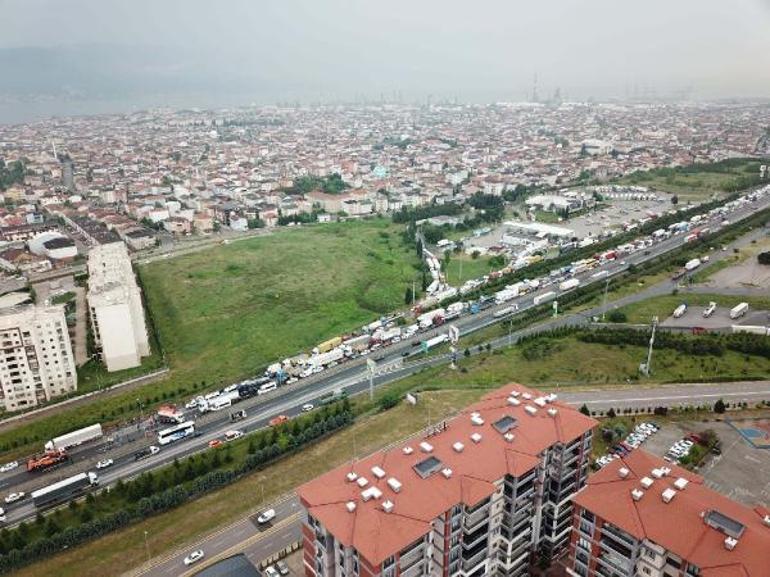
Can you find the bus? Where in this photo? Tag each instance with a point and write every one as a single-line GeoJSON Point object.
{"type": "Point", "coordinates": [176, 432]}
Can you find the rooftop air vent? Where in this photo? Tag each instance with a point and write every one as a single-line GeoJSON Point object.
{"type": "Point", "coordinates": [426, 447]}
{"type": "Point", "coordinates": [362, 482]}
{"type": "Point", "coordinates": [371, 493]}
{"type": "Point", "coordinates": [394, 484]}
{"type": "Point", "coordinates": [551, 397]}
{"type": "Point", "coordinates": [681, 483]}
{"type": "Point", "coordinates": [637, 494]}
{"type": "Point", "coordinates": [766, 520]}
{"type": "Point", "coordinates": [513, 401]}
{"type": "Point", "coordinates": [515, 393]}
{"type": "Point", "coordinates": [408, 450]}
{"type": "Point", "coordinates": [477, 420]}
{"type": "Point", "coordinates": [378, 472]}
{"type": "Point", "coordinates": [527, 396]}
{"type": "Point", "coordinates": [646, 482]}
{"type": "Point", "coordinates": [552, 412]}
{"type": "Point", "coordinates": [665, 471]}
{"type": "Point", "coordinates": [350, 506]}
{"type": "Point", "coordinates": [509, 437]}
{"type": "Point", "coordinates": [387, 506]}
{"type": "Point", "coordinates": [657, 473]}
{"type": "Point", "coordinates": [730, 543]}
{"type": "Point", "coordinates": [476, 438]}
{"type": "Point", "coordinates": [458, 447]}
{"type": "Point", "coordinates": [351, 476]}
{"type": "Point", "coordinates": [668, 495]}
{"type": "Point", "coordinates": [623, 472]}
{"type": "Point", "coordinates": [531, 410]}
{"type": "Point", "coordinates": [446, 472]}
{"type": "Point", "coordinates": [540, 402]}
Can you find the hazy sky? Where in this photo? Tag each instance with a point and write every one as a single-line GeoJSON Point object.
{"type": "Point", "coordinates": [480, 50]}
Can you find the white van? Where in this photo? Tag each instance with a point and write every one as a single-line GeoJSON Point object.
{"type": "Point", "coordinates": [267, 387]}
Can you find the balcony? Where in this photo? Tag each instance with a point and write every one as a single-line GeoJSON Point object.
{"type": "Point", "coordinates": [616, 566]}
{"type": "Point", "coordinates": [471, 521]}
{"type": "Point", "coordinates": [618, 535]}
{"type": "Point", "coordinates": [471, 562]}
{"type": "Point", "coordinates": [415, 570]}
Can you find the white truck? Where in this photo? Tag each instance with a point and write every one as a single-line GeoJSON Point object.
{"type": "Point", "coordinates": [544, 298]}
{"type": "Point", "coordinates": [739, 310]}
{"type": "Point", "coordinates": [505, 295]}
{"type": "Point", "coordinates": [691, 265]}
{"type": "Point", "coordinates": [709, 310]}
{"type": "Point", "coordinates": [325, 359]}
{"type": "Point", "coordinates": [569, 284]}
{"type": "Point", "coordinates": [427, 320]}
{"type": "Point", "coordinates": [437, 340]}
{"type": "Point", "coordinates": [505, 311]}
{"type": "Point", "coordinates": [75, 438]}
{"type": "Point", "coordinates": [454, 310]}
{"type": "Point", "coordinates": [680, 310]}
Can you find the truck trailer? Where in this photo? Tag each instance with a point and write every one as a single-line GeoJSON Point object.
{"type": "Point", "coordinates": [569, 284]}
{"type": "Point", "coordinates": [544, 298]}
{"type": "Point", "coordinates": [739, 310]}
{"type": "Point", "coordinates": [64, 490]}
{"type": "Point", "coordinates": [75, 438]}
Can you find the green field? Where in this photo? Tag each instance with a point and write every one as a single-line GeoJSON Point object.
{"type": "Point", "coordinates": [228, 312]}
{"type": "Point", "coordinates": [663, 307]}
{"type": "Point", "coordinates": [471, 268]}
{"type": "Point", "coordinates": [567, 361]}
{"type": "Point", "coordinates": [699, 181]}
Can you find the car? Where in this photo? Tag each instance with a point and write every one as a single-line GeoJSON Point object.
{"type": "Point", "coordinates": [279, 420]}
{"type": "Point", "coordinates": [214, 443]}
{"type": "Point", "coordinates": [9, 466]}
{"type": "Point", "coordinates": [104, 463]}
{"type": "Point", "coordinates": [271, 571]}
{"type": "Point", "coordinates": [192, 404]}
{"type": "Point", "coordinates": [232, 435]}
{"type": "Point", "coordinates": [13, 497]}
{"type": "Point", "coordinates": [194, 557]}
{"type": "Point", "coordinates": [266, 516]}
{"type": "Point", "coordinates": [307, 407]}
{"type": "Point", "coordinates": [282, 567]}
{"type": "Point", "coordinates": [2, 514]}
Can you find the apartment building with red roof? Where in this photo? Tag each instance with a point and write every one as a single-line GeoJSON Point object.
{"type": "Point", "coordinates": [481, 494]}
{"type": "Point", "coordinates": [641, 516]}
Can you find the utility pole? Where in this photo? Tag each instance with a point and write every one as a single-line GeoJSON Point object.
{"type": "Point", "coordinates": [147, 546]}
{"type": "Point", "coordinates": [604, 305]}
{"type": "Point", "coordinates": [372, 367]}
{"type": "Point", "coordinates": [646, 366]}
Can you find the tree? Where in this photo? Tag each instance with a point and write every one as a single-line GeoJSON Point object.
{"type": "Point", "coordinates": [585, 411]}
{"type": "Point", "coordinates": [675, 200]}
{"type": "Point", "coordinates": [611, 413]}
{"type": "Point", "coordinates": [617, 317]}
{"type": "Point", "coordinates": [764, 258]}
{"type": "Point", "coordinates": [719, 407]}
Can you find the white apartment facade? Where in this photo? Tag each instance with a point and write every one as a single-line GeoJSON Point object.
{"type": "Point", "coordinates": [115, 306]}
{"type": "Point", "coordinates": [36, 361]}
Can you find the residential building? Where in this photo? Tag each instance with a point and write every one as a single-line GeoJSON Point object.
{"type": "Point", "coordinates": [641, 516]}
{"type": "Point", "coordinates": [481, 494]}
{"type": "Point", "coordinates": [36, 361]}
{"type": "Point", "coordinates": [115, 305]}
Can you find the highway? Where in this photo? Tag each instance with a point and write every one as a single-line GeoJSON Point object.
{"type": "Point", "coordinates": [259, 542]}
{"type": "Point", "coordinates": [351, 375]}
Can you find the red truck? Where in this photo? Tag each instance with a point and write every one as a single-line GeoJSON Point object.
{"type": "Point", "coordinates": [46, 461]}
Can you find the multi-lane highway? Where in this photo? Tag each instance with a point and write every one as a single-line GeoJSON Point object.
{"type": "Point", "coordinates": [351, 376]}
{"type": "Point", "coordinates": [259, 542]}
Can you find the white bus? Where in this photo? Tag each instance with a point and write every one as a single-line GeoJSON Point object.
{"type": "Point", "coordinates": [176, 432]}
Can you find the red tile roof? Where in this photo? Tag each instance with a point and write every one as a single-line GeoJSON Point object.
{"type": "Point", "coordinates": [678, 525]}
{"type": "Point", "coordinates": [377, 534]}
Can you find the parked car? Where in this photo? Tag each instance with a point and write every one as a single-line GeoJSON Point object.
{"type": "Point", "coordinates": [13, 497]}
{"type": "Point", "coordinates": [271, 571]}
{"type": "Point", "coordinates": [214, 443]}
{"type": "Point", "coordinates": [194, 557]}
{"type": "Point", "coordinates": [282, 567]}
{"type": "Point", "coordinates": [104, 463]}
{"type": "Point", "coordinates": [266, 516]}
{"type": "Point", "coordinates": [307, 407]}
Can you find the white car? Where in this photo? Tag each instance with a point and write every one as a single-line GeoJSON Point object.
{"type": "Point", "coordinates": [266, 516]}
{"type": "Point", "coordinates": [104, 463]}
{"type": "Point", "coordinates": [13, 497]}
{"type": "Point", "coordinates": [9, 466]}
{"type": "Point", "coordinates": [194, 557]}
{"type": "Point", "coordinates": [2, 514]}
{"type": "Point", "coordinates": [192, 404]}
{"type": "Point", "coordinates": [271, 572]}
{"type": "Point", "coordinates": [307, 407]}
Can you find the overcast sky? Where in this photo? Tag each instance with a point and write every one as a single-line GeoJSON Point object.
{"type": "Point", "coordinates": [480, 50]}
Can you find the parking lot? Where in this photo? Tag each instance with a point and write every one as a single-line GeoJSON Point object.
{"type": "Point", "coordinates": [741, 472]}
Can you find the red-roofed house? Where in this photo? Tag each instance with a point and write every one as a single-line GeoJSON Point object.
{"type": "Point", "coordinates": [480, 494]}
{"type": "Point", "coordinates": [642, 516]}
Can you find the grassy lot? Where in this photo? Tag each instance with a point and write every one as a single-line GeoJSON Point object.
{"type": "Point", "coordinates": [227, 312]}
{"type": "Point", "coordinates": [700, 181]}
{"type": "Point", "coordinates": [663, 306]}
{"type": "Point", "coordinates": [472, 268]}
{"type": "Point", "coordinates": [567, 361]}
{"type": "Point", "coordinates": [125, 549]}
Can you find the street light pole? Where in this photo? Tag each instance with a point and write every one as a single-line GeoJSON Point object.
{"type": "Point", "coordinates": [147, 546]}
{"type": "Point", "coordinates": [604, 306]}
